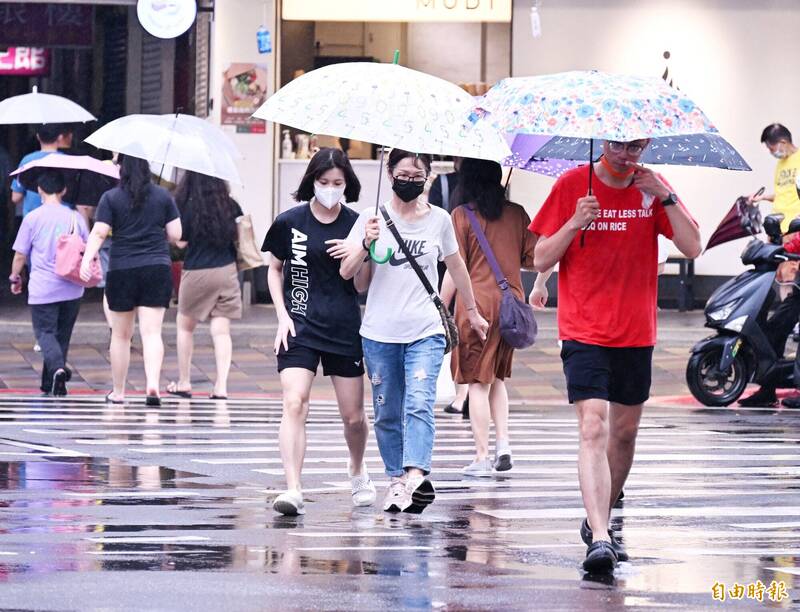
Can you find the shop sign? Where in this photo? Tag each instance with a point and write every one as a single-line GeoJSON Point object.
{"type": "Point", "coordinates": [24, 61]}
{"type": "Point", "coordinates": [244, 89]}
{"type": "Point", "coordinates": [46, 25]}
{"type": "Point", "coordinates": [398, 10]}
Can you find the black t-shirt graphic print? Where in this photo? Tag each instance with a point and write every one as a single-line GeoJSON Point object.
{"type": "Point", "coordinates": [323, 306]}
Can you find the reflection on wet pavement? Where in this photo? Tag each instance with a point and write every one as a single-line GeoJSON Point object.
{"type": "Point", "coordinates": [102, 505]}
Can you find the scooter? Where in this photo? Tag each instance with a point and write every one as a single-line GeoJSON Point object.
{"type": "Point", "coordinates": [722, 365]}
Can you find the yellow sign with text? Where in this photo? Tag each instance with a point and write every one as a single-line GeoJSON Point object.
{"type": "Point", "coordinates": [398, 10]}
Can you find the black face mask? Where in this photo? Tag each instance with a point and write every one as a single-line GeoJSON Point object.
{"type": "Point", "coordinates": [407, 190]}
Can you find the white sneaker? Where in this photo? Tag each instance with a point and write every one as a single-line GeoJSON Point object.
{"type": "Point", "coordinates": [419, 494]}
{"type": "Point", "coordinates": [362, 488]}
{"type": "Point", "coordinates": [502, 458]}
{"type": "Point", "coordinates": [478, 469]}
{"type": "Point", "coordinates": [394, 499]}
{"type": "Point", "coordinates": [289, 503]}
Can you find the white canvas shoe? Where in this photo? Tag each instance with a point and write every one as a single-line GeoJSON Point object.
{"type": "Point", "coordinates": [362, 489]}
{"type": "Point", "coordinates": [289, 503]}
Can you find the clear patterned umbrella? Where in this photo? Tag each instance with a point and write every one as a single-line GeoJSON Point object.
{"type": "Point", "coordinates": [385, 104]}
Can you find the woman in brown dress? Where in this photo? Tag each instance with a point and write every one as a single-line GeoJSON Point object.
{"type": "Point", "coordinates": [485, 365]}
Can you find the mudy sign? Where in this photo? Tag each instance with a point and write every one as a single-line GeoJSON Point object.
{"type": "Point", "coordinates": [397, 10]}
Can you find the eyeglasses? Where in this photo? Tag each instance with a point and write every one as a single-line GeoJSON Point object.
{"type": "Point", "coordinates": [418, 180]}
{"type": "Point", "coordinates": [632, 147]}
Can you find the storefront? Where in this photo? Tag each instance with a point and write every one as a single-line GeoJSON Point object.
{"type": "Point", "coordinates": [464, 41]}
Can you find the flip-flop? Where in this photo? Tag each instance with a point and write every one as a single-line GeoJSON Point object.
{"type": "Point", "coordinates": [113, 401]}
{"type": "Point", "coordinates": [172, 389]}
{"type": "Point", "coordinates": [217, 397]}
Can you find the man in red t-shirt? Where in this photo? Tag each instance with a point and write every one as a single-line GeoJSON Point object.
{"type": "Point", "coordinates": [606, 246]}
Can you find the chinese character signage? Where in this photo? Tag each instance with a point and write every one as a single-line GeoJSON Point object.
{"type": "Point", "coordinates": [244, 89]}
{"type": "Point", "coordinates": [25, 61]}
{"type": "Point", "coordinates": [46, 25]}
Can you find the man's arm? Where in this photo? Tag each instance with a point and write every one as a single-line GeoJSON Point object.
{"type": "Point", "coordinates": [685, 233]}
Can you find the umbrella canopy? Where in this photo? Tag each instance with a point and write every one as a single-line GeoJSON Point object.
{"type": "Point", "coordinates": [591, 104]}
{"type": "Point", "coordinates": [42, 108]}
{"type": "Point", "coordinates": [385, 104]}
{"type": "Point", "coordinates": [742, 220]}
{"type": "Point", "coordinates": [709, 150]}
{"type": "Point", "coordinates": [525, 156]}
{"type": "Point", "coordinates": [87, 178]}
{"type": "Point", "coordinates": [180, 141]}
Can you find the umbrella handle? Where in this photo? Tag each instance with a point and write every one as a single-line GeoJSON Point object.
{"type": "Point", "coordinates": [374, 256]}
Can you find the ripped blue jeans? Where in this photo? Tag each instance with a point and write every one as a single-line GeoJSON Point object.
{"type": "Point", "coordinates": [403, 378]}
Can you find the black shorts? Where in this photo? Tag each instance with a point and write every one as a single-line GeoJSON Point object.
{"type": "Point", "coordinates": [619, 375]}
{"type": "Point", "coordinates": [346, 366]}
{"type": "Point", "coordinates": [144, 286]}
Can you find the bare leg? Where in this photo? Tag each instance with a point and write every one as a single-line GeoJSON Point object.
{"type": "Point", "coordinates": [623, 428]}
{"type": "Point", "coordinates": [593, 471]}
{"type": "Point", "coordinates": [296, 384]}
{"type": "Point", "coordinates": [498, 404]}
{"type": "Point", "coordinates": [350, 396]}
{"type": "Point", "coordinates": [121, 333]}
{"type": "Point", "coordinates": [186, 326]}
{"type": "Point", "coordinates": [461, 396]}
{"type": "Point", "coordinates": [223, 353]}
{"type": "Point", "coordinates": [150, 320]}
{"type": "Point", "coordinates": [479, 418]}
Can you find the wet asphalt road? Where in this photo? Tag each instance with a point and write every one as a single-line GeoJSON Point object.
{"type": "Point", "coordinates": [110, 508]}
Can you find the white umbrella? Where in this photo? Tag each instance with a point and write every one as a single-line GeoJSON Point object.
{"type": "Point", "coordinates": [42, 108]}
{"type": "Point", "coordinates": [180, 141]}
{"type": "Point", "coordinates": [386, 104]}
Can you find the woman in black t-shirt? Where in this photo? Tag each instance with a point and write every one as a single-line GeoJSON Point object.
{"type": "Point", "coordinates": [318, 320]}
{"type": "Point", "coordinates": [143, 218]}
{"type": "Point", "coordinates": [210, 280]}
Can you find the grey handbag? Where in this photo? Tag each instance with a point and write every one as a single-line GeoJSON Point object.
{"type": "Point", "coordinates": [517, 324]}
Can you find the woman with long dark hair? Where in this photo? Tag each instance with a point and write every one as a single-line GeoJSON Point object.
{"type": "Point", "coordinates": [402, 333]}
{"type": "Point", "coordinates": [210, 281]}
{"type": "Point", "coordinates": [318, 319]}
{"type": "Point", "coordinates": [144, 220]}
{"type": "Point", "coordinates": [484, 364]}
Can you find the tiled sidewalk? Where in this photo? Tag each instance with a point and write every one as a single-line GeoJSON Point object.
{"type": "Point", "coordinates": [537, 374]}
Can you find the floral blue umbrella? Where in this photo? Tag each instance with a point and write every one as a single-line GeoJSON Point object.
{"type": "Point", "coordinates": [591, 105]}
{"type": "Point", "coordinates": [709, 150]}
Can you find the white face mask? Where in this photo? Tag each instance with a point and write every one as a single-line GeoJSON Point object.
{"type": "Point", "coordinates": [328, 196]}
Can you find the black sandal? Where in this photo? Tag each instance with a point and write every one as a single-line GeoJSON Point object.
{"type": "Point", "coordinates": [152, 400]}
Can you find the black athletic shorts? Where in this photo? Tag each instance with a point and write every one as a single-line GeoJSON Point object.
{"type": "Point", "coordinates": [346, 366]}
{"type": "Point", "coordinates": [144, 286]}
{"type": "Point", "coordinates": [619, 375]}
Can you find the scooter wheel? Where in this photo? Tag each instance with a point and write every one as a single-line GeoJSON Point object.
{"type": "Point", "coordinates": [711, 386]}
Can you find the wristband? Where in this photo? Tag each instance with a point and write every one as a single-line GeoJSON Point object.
{"type": "Point", "coordinates": [14, 279]}
{"type": "Point", "coordinates": [364, 244]}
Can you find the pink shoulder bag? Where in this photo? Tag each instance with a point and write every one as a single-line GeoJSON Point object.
{"type": "Point", "coordinates": [69, 255]}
